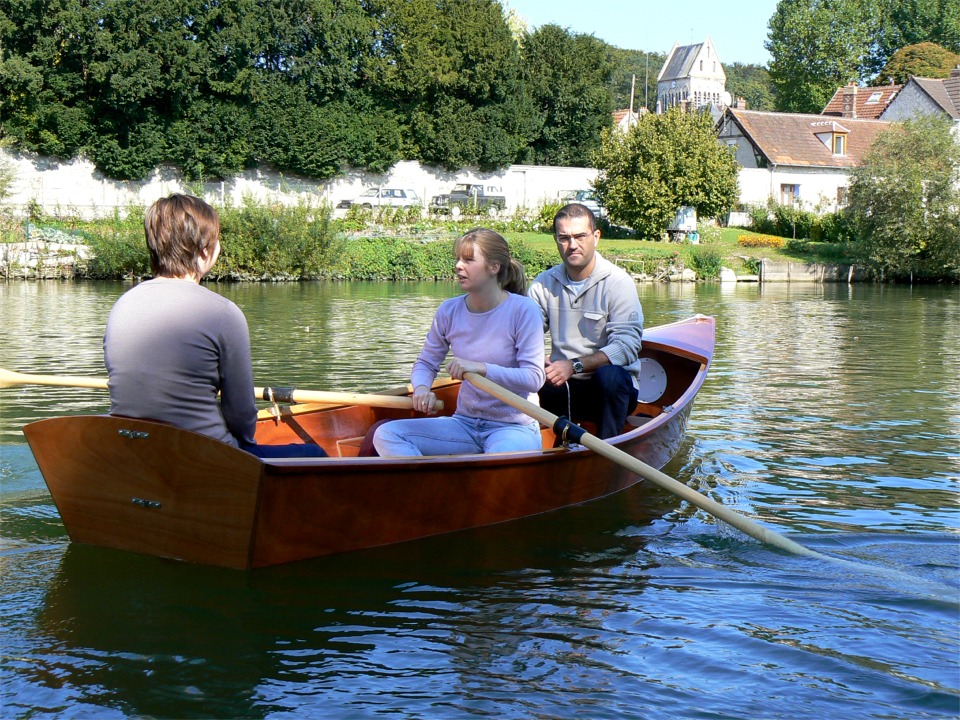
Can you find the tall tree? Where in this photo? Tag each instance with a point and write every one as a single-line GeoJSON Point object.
{"type": "Point", "coordinates": [905, 200]}
{"type": "Point", "coordinates": [453, 68]}
{"type": "Point", "coordinates": [568, 76]}
{"type": "Point", "coordinates": [42, 77]}
{"type": "Point", "coordinates": [817, 46]}
{"type": "Point", "coordinates": [635, 70]}
{"type": "Point", "coordinates": [909, 22]}
{"type": "Point", "coordinates": [752, 83]}
{"type": "Point", "coordinates": [664, 162]}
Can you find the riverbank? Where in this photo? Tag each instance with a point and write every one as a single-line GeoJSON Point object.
{"type": "Point", "coordinates": [284, 244]}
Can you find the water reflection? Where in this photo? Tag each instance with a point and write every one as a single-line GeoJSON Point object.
{"type": "Point", "coordinates": [832, 414]}
{"type": "Point", "coordinates": [156, 638]}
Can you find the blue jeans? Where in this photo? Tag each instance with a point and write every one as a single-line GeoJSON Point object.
{"type": "Point", "coordinates": [454, 435]}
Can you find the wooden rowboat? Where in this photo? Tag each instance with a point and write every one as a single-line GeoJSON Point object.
{"type": "Point", "coordinates": [152, 488]}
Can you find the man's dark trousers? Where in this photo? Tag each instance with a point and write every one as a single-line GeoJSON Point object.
{"type": "Point", "coordinates": [605, 399]}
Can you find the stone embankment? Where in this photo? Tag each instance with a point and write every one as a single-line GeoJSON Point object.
{"type": "Point", "coordinates": [49, 253]}
{"type": "Point", "coordinates": [781, 271]}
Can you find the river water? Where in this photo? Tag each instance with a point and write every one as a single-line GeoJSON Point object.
{"type": "Point", "coordinates": [831, 414]}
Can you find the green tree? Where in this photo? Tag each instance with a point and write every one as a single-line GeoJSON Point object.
{"type": "Point", "coordinates": [664, 162]}
{"type": "Point", "coordinates": [817, 46]}
{"type": "Point", "coordinates": [904, 200]}
{"type": "Point", "coordinates": [925, 59]}
{"type": "Point", "coordinates": [635, 70]}
{"type": "Point", "coordinates": [568, 76]}
{"type": "Point", "coordinates": [452, 68]}
{"type": "Point", "coordinates": [910, 22]}
{"type": "Point", "coordinates": [42, 78]}
{"type": "Point", "coordinates": [752, 83]}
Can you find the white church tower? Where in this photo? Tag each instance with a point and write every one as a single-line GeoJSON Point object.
{"type": "Point", "coordinates": [693, 78]}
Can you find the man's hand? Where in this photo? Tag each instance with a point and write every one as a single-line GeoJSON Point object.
{"type": "Point", "coordinates": [558, 372]}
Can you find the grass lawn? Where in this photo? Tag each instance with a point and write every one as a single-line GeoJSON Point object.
{"type": "Point", "coordinates": [743, 260]}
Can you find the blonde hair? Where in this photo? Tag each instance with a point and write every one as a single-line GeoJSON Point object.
{"type": "Point", "coordinates": [511, 276]}
{"type": "Point", "coordinates": [179, 228]}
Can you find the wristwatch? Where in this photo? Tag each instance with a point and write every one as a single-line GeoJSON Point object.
{"type": "Point", "coordinates": [577, 366]}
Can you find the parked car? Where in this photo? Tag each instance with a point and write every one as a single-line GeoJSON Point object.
{"type": "Point", "coordinates": [589, 198]}
{"type": "Point", "coordinates": [384, 197]}
{"type": "Point", "coordinates": [466, 196]}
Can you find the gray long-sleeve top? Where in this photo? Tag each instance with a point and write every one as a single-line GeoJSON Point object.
{"type": "Point", "coordinates": [605, 315]}
{"type": "Point", "coordinates": [170, 347]}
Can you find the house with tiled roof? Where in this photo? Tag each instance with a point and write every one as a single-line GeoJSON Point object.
{"type": "Point", "coordinates": [927, 96]}
{"type": "Point", "coordinates": [692, 77]}
{"type": "Point", "coordinates": [857, 102]}
{"type": "Point", "coordinates": [623, 120]}
{"type": "Point", "coordinates": [798, 160]}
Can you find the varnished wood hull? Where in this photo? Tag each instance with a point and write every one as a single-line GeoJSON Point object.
{"type": "Point", "coordinates": [152, 488]}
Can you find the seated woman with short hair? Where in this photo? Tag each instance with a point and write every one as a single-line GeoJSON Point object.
{"type": "Point", "coordinates": [177, 352]}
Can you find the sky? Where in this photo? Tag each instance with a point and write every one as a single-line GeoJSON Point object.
{"type": "Point", "coordinates": [738, 29]}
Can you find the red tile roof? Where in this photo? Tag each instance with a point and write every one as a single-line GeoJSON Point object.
{"type": "Point", "coordinates": [870, 102]}
{"type": "Point", "coordinates": [791, 139]}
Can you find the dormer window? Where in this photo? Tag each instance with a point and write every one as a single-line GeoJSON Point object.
{"type": "Point", "coordinates": [832, 134]}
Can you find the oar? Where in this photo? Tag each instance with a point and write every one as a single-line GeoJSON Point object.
{"type": "Point", "coordinates": [578, 435]}
{"type": "Point", "coordinates": [9, 378]}
{"type": "Point", "coordinates": [758, 532]}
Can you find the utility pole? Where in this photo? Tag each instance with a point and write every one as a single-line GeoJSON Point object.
{"type": "Point", "coordinates": [646, 81]}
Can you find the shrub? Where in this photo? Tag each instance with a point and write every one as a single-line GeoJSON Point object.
{"type": "Point", "coordinates": [760, 219]}
{"type": "Point", "coordinates": [706, 261]}
{"type": "Point", "coordinates": [118, 246]}
{"type": "Point", "coordinates": [546, 214]}
{"type": "Point", "coordinates": [275, 241]}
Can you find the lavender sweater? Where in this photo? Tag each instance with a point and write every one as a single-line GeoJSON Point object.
{"type": "Point", "coordinates": [170, 347]}
{"type": "Point", "coordinates": [508, 339]}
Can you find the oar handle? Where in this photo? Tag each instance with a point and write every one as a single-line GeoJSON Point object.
{"type": "Point", "coordinates": [9, 378]}
{"type": "Point", "coordinates": [399, 402]}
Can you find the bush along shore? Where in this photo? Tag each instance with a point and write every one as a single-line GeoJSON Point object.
{"type": "Point", "coordinates": [276, 243]}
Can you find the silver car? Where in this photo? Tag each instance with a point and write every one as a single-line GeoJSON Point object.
{"type": "Point", "coordinates": [589, 198]}
{"type": "Point", "coordinates": [384, 197]}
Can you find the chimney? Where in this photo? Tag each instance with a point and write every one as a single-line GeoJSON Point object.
{"type": "Point", "coordinates": [850, 100]}
{"type": "Point", "coordinates": [955, 73]}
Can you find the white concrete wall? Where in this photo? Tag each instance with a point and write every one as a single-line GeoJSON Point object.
{"type": "Point", "coordinates": [76, 187]}
{"type": "Point", "coordinates": [818, 186]}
